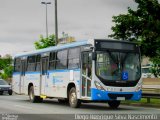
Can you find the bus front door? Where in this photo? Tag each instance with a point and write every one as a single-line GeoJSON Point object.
{"type": "Point", "coordinates": [22, 76]}
{"type": "Point", "coordinates": [44, 68]}
{"type": "Point", "coordinates": [86, 74]}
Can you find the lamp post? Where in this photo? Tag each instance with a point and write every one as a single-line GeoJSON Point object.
{"type": "Point", "coordinates": [56, 23]}
{"type": "Point", "coordinates": [46, 3]}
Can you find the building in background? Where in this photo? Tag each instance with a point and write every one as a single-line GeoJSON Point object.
{"type": "Point", "coordinates": [146, 68]}
{"type": "Point", "coordinates": [146, 62]}
{"type": "Point", "coordinates": [66, 39]}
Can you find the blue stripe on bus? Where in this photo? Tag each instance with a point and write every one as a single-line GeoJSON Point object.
{"type": "Point", "coordinates": [103, 95]}
{"type": "Point", "coordinates": [67, 70]}
{"type": "Point", "coordinates": [37, 72]}
{"type": "Point", "coordinates": [16, 73]}
{"type": "Point", "coordinates": [49, 71]}
{"type": "Point", "coordinates": [58, 71]}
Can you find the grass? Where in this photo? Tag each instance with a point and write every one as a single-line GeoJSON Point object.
{"type": "Point", "coordinates": [143, 102]}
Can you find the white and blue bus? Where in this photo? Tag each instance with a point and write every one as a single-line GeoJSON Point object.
{"type": "Point", "coordinates": [83, 71]}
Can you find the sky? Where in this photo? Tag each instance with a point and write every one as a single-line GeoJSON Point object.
{"type": "Point", "coordinates": [23, 21]}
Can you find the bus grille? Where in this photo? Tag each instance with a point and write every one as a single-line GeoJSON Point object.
{"type": "Point", "coordinates": [114, 96]}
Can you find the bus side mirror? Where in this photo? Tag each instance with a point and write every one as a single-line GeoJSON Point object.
{"type": "Point", "coordinates": [93, 56]}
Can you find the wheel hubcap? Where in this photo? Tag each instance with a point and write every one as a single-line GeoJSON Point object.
{"type": "Point", "coordinates": [73, 98]}
{"type": "Point", "coordinates": [31, 95]}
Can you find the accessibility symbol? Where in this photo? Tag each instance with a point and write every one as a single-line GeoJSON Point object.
{"type": "Point", "coordinates": [124, 75]}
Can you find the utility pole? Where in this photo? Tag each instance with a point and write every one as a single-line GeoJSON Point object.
{"type": "Point", "coordinates": [46, 3]}
{"type": "Point", "coordinates": [56, 23]}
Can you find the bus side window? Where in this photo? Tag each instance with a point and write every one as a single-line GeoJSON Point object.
{"type": "Point", "coordinates": [31, 63]}
{"type": "Point", "coordinates": [61, 59]}
{"type": "Point", "coordinates": [73, 58]}
{"type": "Point", "coordinates": [87, 64]}
{"type": "Point", "coordinates": [17, 65]}
{"type": "Point", "coordinates": [52, 61]}
{"type": "Point", "coordinates": [44, 65]}
{"type": "Point", "coordinates": [38, 64]}
{"type": "Point", "coordinates": [90, 65]}
{"type": "Point", "coordinates": [84, 63]}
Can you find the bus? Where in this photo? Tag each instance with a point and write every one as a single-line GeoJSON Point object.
{"type": "Point", "coordinates": [95, 70]}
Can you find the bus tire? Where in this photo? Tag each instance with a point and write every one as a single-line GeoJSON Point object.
{"type": "Point", "coordinates": [40, 99]}
{"type": "Point", "coordinates": [10, 92]}
{"type": "Point", "coordinates": [73, 101]}
{"type": "Point", "coordinates": [114, 104]}
{"type": "Point", "coordinates": [32, 97]}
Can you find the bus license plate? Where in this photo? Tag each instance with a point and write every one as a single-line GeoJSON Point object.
{"type": "Point", "coordinates": [120, 98]}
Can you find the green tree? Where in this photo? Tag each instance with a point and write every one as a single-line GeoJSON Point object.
{"type": "Point", "coordinates": [7, 72]}
{"type": "Point", "coordinates": [5, 61]}
{"type": "Point", "coordinates": [6, 67]}
{"type": "Point", "coordinates": [141, 25]}
{"type": "Point", "coordinates": [156, 70]}
{"type": "Point", "coordinates": [45, 42]}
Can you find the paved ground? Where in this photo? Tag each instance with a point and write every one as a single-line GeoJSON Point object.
{"type": "Point", "coordinates": [51, 109]}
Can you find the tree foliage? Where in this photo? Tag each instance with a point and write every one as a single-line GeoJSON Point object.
{"type": "Point", "coordinates": [6, 67]}
{"type": "Point", "coordinates": [4, 62]}
{"type": "Point", "coordinates": [156, 70]}
{"type": "Point", "coordinates": [141, 25]}
{"type": "Point", "coordinates": [7, 72]}
{"type": "Point", "coordinates": [45, 42]}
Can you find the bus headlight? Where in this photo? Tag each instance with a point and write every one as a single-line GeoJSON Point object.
{"type": "Point", "coordinates": [139, 87]}
{"type": "Point", "coordinates": [98, 86]}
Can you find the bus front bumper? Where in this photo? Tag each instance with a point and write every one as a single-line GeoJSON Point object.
{"type": "Point", "coordinates": [99, 95]}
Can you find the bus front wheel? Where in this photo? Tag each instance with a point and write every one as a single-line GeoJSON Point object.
{"type": "Point", "coordinates": [10, 92]}
{"type": "Point", "coordinates": [114, 104]}
{"type": "Point", "coordinates": [32, 97]}
{"type": "Point", "coordinates": [73, 101]}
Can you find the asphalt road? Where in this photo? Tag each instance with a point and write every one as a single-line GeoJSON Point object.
{"type": "Point", "coordinates": [19, 108]}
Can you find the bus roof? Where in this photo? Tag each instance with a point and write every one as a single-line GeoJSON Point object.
{"type": "Point", "coordinates": [64, 46]}
{"type": "Point", "coordinates": [54, 48]}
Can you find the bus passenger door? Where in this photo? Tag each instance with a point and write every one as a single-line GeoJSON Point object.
{"type": "Point", "coordinates": [44, 68]}
{"type": "Point", "coordinates": [86, 74]}
{"type": "Point", "coordinates": [22, 76]}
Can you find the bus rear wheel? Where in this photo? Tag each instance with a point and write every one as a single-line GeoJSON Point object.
{"type": "Point", "coordinates": [114, 104]}
{"type": "Point", "coordinates": [32, 97]}
{"type": "Point", "coordinates": [73, 101]}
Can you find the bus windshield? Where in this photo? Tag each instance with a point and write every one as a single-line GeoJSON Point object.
{"type": "Point", "coordinates": [114, 65]}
